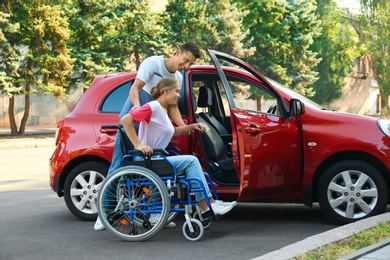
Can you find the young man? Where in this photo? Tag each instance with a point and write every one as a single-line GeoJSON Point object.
{"type": "Point", "coordinates": [151, 70]}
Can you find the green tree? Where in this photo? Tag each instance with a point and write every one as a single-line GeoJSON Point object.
{"type": "Point", "coordinates": [86, 42]}
{"type": "Point", "coordinates": [282, 32]}
{"type": "Point", "coordinates": [134, 32]}
{"type": "Point", "coordinates": [211, 24]}
{"type": "Point", "coordinates": [337, 49]}
{"type": "Point", "coordinates": [374, 32]}
{"type": "Point", "coordinates": [304, 28]}
{"type": "Point", "coordinates": [9, 62]}
{"type": "Point", "coordinates": [45, 62]}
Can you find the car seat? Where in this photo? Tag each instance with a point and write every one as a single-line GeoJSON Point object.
{"type": "Point", "coordinates": [220, 164]}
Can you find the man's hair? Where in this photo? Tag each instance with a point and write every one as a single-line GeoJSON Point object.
{"type": "Point", "coordinates": [191, 47]}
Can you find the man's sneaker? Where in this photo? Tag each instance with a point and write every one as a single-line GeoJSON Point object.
{"type": "Point", "coordinates": [233, 203]}
{"type": "Point", "coordinates": [98, 225]}
{"type": "Point", "coordinates": [154, 219]}
{"type": "Point", "coordinates": [170, 225]}
{"type": "Point", "coordinates": [221, 209]}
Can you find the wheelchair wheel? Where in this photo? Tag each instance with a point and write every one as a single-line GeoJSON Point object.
{"type": "Point", "coordinates": [133, 203]}
{"type": "Point", "coordinates": [196, 234]}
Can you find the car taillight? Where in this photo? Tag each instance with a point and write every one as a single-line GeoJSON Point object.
{"type": "Point", "coordinates": [59, 127]}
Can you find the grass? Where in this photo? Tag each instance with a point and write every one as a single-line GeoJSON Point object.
{"type": "Point", "coordinates": [350, 244]}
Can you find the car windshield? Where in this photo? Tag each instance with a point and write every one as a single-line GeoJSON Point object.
{"type": "Point", "coordinates": [296, 95]}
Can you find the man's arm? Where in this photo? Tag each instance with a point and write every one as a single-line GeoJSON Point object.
{"type": "Point", "coordinates": [134, 92]}
{"type": "Point", "coordinates": [175, 116]}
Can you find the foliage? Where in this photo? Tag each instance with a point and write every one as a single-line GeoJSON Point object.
{"type": "Point", "coordinates": [350, 244]}
{"type": "Point", "coordinates": [9, 63]}
{"type": "Point", "coordinates": [86, 42]}
{"type": "Point", "coordinates": [282, 34]}
{"type": "Point", "coordinates": [41, 43]}
{"type": "Point", "coordinates": [374, 32]}
{"type": "Point", "coordinates": [337, 48]}
{"type": "Point", "coordinates": [211, 24]}
{"type": "Point", "coordinates": [134, 32]}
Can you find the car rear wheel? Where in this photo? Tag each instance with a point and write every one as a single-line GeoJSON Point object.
{"type": "Point", "coordinates": [81, 189]}
{"type": "Point", "coordinates": [352, 190]}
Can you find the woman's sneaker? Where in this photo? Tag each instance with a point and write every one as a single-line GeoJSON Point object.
{"type": "Point", "coordinates": [221, 208]}
{"type": "Point", "coordinates": [233, 203]}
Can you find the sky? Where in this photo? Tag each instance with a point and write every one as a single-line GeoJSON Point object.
{"type": "Point", "coordinates": [353, 5]}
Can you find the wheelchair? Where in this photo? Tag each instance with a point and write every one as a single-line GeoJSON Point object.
{"type": "Point", "coordinates": [139, 198]}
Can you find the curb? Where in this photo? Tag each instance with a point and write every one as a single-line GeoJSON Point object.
{"type": "Point", "coordinates": [331, 236]}
{"type": "Point", "coordinates": [366, 250]}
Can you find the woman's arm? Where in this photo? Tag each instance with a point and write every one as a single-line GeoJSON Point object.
{"type": "Point", "coordinates": [128, 125]}
{"type": "Point", "coordinates": [186, 129]}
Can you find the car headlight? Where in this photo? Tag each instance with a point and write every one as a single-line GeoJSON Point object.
{"type": "Point", "coordinates": [384, 126]}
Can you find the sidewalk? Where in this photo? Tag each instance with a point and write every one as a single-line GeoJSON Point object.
{"type": "Point", "coordinates": [41, 136]}
{"type": "Point", "coordinates": [379, 251]}
{"type": "Point", "coordinates": [35, 136]}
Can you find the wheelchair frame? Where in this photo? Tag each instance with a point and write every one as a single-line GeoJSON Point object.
{"type": "Point", "coordinates": [139, 198]}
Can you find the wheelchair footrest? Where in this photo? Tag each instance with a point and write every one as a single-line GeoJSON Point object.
{"type": "Point", "coordinates": [208, 215]}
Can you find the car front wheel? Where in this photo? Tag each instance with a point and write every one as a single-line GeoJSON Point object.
{"type": "Point", "coordinates": [352, 190]}
{"type": "Point", "coordinates": [81, 189]}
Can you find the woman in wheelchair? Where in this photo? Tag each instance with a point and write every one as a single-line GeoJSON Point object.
{"type": "Point", "coordinates": [156, 131]}
{"type": "Point", "coordinates": [136, 202]}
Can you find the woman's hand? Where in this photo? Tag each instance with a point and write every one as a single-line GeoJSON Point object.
{"type": "Point", "coordinates": [145, 149]}
{"type": "Point", "coordinates": [199, 126]}
{"type": "Point", "coordinates": [188, 129]}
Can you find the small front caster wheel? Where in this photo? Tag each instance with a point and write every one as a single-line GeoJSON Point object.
{"type": "Point", "coordinates": [198, 230]}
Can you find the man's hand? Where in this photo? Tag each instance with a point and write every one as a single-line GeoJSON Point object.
{"type": "Point", "coordinates": [134, 107]}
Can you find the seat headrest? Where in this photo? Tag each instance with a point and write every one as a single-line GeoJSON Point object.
{"type": "Point", "coordinates": [205, 98]}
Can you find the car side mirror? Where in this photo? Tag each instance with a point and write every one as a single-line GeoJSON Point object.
{"type": "Point", "coordinates": [296, 107]}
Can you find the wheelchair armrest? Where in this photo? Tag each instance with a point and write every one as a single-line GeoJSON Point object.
{"type": "Point", "coordinates": [155, 151]}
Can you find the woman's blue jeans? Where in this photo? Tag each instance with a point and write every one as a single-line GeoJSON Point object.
{"type": "Point", "coordinates": [190, 166]}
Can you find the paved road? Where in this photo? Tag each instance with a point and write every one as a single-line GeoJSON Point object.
{"type": "Point", "coordinates": [35, 223]}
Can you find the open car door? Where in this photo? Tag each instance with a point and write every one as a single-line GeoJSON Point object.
{"type": "Point", "coordinates": [267, 140]}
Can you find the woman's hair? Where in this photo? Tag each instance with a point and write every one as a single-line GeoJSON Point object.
{"type": "Point", "coordinates": [165, 83]}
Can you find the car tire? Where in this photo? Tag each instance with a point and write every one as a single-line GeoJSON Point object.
{"type": "Point", "coordinates": [81, 189]}
{"type": "Point", "coordinates": [351, 190]}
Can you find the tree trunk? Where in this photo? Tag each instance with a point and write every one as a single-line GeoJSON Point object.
{"type": "Point", "coordinates": [11, 116]}
{"type": "Point", "coordinates": [136, 57]}
{"type": "Point", "coordinates": [26, 114]}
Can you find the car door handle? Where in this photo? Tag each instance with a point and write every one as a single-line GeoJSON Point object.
{"type": "Point", "coordinates": [253, 129]}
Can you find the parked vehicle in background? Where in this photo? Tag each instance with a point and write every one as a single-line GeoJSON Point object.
{"type": "Point", "coordinates": [263, 143]}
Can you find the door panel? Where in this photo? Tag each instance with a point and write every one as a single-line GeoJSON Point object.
{"type": "Point", "coordinates": [270, 154]}
{"type": "Point", "coordinates": [266, 140]}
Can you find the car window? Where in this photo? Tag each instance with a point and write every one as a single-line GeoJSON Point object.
{"type": "Point", "coordinates": [248, 96]}
{"type": "Point", "coordinates": [115, 100]}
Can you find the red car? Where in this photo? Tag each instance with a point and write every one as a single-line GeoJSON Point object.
{"type": "Point", "coordinates": [264, 143]}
